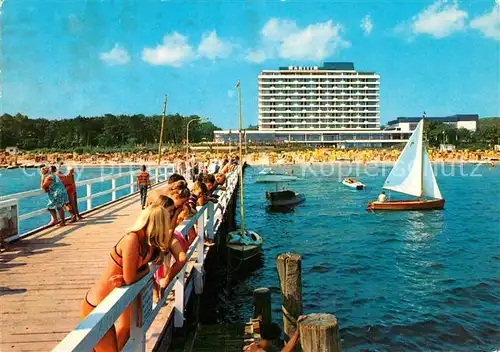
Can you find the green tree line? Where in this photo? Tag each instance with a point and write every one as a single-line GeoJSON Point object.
{"type": "Point", "coordinates": [486, 135]}
{"type": "Point", "coordinates": [108, 131]}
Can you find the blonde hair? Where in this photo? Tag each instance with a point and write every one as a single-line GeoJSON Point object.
{"type": "Point", "coordinates": [155, 221]}
{"type": "Point", "coordinates": [163, 201]}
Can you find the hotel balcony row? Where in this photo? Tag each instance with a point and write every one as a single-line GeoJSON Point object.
{"type": "Point", "coordinates": [339, 92]}
{"type": "Point", "coordinates": [319, 119]}
{"type": "Point", "coordinates": [296, 109]}
{"type": "Point", "coordinates": [314, 99]}
{"type": "Point", "coordinates": [325, 120]}
{"type": "Point", "coordinates": [315, 115]}
{"type": "Point", "coordinates": [338, 112]}
{"type": "Point", "coordinates": [325, 76]}
{"type": "Point", "coordinates": [316, 103]}
{"type": "Point", "coordinates": [316, 127]}
{"type": "Point", "coordinates": [318, 86]}
{"type": "Point", "coordinates": [319, 125]}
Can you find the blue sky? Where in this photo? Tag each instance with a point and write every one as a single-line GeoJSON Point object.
{"type": "Point", "coordinates": [61, 59]}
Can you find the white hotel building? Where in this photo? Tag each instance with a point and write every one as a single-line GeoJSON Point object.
{"type": "Point", "coordinates": [329, 105]}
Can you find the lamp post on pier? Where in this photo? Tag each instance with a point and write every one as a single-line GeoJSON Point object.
{"type": "Point", "coordinates": [187, 131]}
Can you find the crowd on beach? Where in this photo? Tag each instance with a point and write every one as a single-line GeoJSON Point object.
{"type": "Point", "coordinates": [257, 158]}
{"type": "Point", "coordinates": [364, 156]}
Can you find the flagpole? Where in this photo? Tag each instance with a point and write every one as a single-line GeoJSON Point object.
{"type": "Point", "coordinates": [161, 131]}
{"type": "Point", "coordinates": [242, 209]}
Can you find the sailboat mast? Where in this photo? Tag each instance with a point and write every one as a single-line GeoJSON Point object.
{"type": "Point", "coordinates": [240, 165]}
{"type": "Point", "coordinates": [422, 156]}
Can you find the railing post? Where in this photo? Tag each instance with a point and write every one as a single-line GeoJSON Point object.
{"type": "Point", "coordinates": [89, 196]}
{"type": "Point", "coordinates": [210, 224]}
{"type": "Point", "coordinates": [131, 183]}
{"type": "Point", "coordinates": [157, 178]}
{"type": "Point", "coordinates": [179, 299]}
{"type": "Point", "coordinates": [200, 249]}
{"type": "Point", "coordinates": [113, 189]}
{"type": "Point", "coordinates": [165, 170]}
{"type": "Point", "coordinates": [137, 334]}
{"type": "Point", "coordinates": [201, 235]}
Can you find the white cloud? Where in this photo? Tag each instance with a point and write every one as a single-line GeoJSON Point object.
{"type": "Point", "coordinates": [256, 56]}
{"type": "Point", "coordinates": [116, 56]}
{"type": "Point", "coordinates": [489, 23]}
{"type": "Point", "coordinates": [367, 24]}
{"type": "Point", "coordinates": [174, 51]}
{"type": "Point", "coordinates": [284, 39]}
{"type": "Point", "coordinates": [230, 93]}
{"type": "Point", "coordinates": [212, 47]}
{"type": "Point", "coordinates": [439, 20]}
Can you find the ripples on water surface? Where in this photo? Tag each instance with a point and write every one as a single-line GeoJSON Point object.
{"type": "Point", "coordinates": [396, 281]}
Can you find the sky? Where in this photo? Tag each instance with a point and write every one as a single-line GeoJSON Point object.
{"type": "Point", "coordinates": [60, 59]}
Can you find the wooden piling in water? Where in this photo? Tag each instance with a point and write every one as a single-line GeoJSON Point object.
{"type": "Point", "coordinates": [262, 306]}
{"type": "Point", "coordinates": [319, 333]}
{"type": "Point", "coordinates": [290, 276]}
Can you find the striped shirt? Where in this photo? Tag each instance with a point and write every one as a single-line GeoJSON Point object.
{"type": "Point", "coordinates": [143, 178]}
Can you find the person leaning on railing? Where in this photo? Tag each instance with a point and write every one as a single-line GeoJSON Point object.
{"type": "Point", "coordinates": [153, 195]}
{"type": "Point", "coordinates": [147, 241]}
{"type": "Point", "coordinates": [58, 197]}
{"type": "Point", "coordinates": [179, 194]}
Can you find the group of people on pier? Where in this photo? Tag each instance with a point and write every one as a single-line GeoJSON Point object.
{"type": "Point", "coordinates": [61, 190]}
{"type": "Point", "coordinates": [153, 239]}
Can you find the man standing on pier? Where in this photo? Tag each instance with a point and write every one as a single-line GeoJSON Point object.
{"type": "Point", "coordinates": [143, 183]}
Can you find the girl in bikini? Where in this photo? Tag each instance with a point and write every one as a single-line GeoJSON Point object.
{"type": "Point", "coordinates": [146, 242]}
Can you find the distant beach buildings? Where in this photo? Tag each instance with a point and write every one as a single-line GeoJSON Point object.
{"type": "Point", "coordinates": [408, 124]}
{"type": "Point", "coordinates": [331, 104]}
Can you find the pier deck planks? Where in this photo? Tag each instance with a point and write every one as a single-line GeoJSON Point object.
{"type": "Point", "coordinates": [44, 278]}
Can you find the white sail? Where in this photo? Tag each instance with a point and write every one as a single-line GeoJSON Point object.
{"type": "Point", "coordinates": [406, 175]}
{"type": "Point", "coordinates": [430, 187]}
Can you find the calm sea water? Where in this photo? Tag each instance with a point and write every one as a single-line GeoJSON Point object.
{"type": "Point", "coordinates": [396, 281]}
{"type": "Point", "coordinates": [20, 180]}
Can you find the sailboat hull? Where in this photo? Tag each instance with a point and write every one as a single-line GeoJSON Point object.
{"type": "Point", "coordinates": [417, 204]}
{"type": "Point", "coordinates": [242, 251]}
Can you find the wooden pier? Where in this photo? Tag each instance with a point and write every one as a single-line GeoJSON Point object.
{"type": "Point", "coordinates": [45, 277]}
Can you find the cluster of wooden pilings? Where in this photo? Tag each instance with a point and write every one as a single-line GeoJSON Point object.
{"type": "Point", "coordinates": [319, 332]}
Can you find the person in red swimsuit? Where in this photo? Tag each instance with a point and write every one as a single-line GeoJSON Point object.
{"type": "Point", "coordinates": [147, 241]}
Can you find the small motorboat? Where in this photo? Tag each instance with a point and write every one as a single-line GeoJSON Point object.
{"type": "Point", "coordinates": [350, 182]}
{"type": "Point", "coordinates": [267, 171]}
{"type": "Point", "coordinates": [268, 175]}
{"type": "Point", "coordinates": [284, 198]}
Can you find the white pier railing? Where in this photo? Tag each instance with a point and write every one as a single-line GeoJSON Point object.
{"type": "Point", "coordinates": [140, 294]}
{"type": "Point", "coordinates": [158, 174]}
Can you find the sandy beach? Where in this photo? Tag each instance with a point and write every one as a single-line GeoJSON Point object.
{"type": "Point", "coordinates": [311, 156]}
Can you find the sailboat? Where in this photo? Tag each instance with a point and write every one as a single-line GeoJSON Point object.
{"type": "Point", "coordinates": [412, 175]}
{"type": "Point", "coordinates": [243, 244]}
